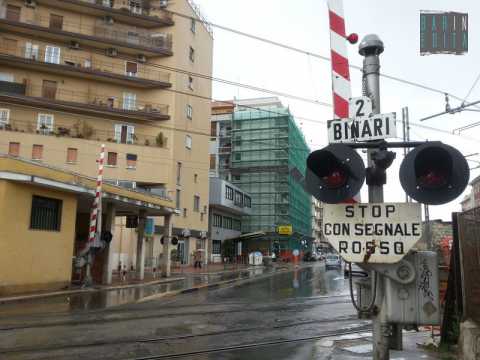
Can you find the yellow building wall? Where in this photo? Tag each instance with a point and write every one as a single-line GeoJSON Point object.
{"type": "Point", "coordinates": [31, 259]}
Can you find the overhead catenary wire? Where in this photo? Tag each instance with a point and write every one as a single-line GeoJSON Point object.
{"type": "Point", "coordinates": [308, 53]}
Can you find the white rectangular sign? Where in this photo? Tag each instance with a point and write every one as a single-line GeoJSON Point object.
{"type": "Point", "coordinates": [376, 127]}
{"type": "Point", "coordinates": [373, 233]}
{"type": "Point", "coordinates": [359, 107]}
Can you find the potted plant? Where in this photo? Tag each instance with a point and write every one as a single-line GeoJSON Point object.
{"type": "Point", "coordinates": [160, 139]}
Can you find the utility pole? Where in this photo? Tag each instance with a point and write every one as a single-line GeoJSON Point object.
{"type": "Point", "coordinates": [371, 47]}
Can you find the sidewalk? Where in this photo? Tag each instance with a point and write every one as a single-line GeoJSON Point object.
{"type": "Point", "coordinates": [182, 280]}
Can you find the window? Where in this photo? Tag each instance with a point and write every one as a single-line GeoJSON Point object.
{"type": "Point", "coordinates": [238, 198]}
{"type": "Point", "coordinates": [4, 117]}
{"type": "Point", "coordinates": [37, 152]}
{"type": "Point", "coordinates": [135, 6]}
{"type": "Point", "coordinates": [216, 247]}
{"type": "Point", "coordinates": [190, 82]}
{"type": "Point", "coordinates": [31, 51]}
{"type": "Point", "coordinates": [52, 54]}
{"type": "Point", "coordinates": [228, 192]}
{"type": "Point", "coordinates": [201, 216]}
{"type": "Point", "coordinates": [189, 112]}
{"type": "Point", "coordinates": [131, 161]}
{"type": "Point", "coordinates": [56, 22]}
{"type": "Point", "coordinates": [179, 173]}
{"type": "Point", "coordinates": [129, 101]}
{"type": "Point", "coordinates": [188, 142]}
{"type": "Point", "coordinates": [184, 212]}
{"type": "Point", "coordinates": [13, 12]}
{"type": "Point", "coordinates": [45, 123]}
{"type": "Point", "coordinates": [177, 199]}
{"type": "Point", "coordinates": [124, 134]}
{"type": "Point", "coordinates": [227, 223]}
{"type": "Point", "coordinates": [193, 24]}
{"type": "Point", "coordinates": [112, 158]}
{"type": "Point", "coordinates": [195, 178]}
{"type": "Point", "coordinates": [49, 89]}
{"type": "Point", "coordinates": [217, 220]}
{"type": "Point", "coordinates": [14, 149]}
{"type": "Point", "coordinates": [237, 225]}
{"type": "Point", "coordinates": [238, 156]}
{"type": "Point", "coordinates": [213, 161]}
{"type": "Point", "coordinates": [46, 214]}
{"type": "Point", "coordinates": [72, 155]}
{"type": "Point", "coordinates": [247, 201]}
{"type": "Point", "coordinates": [196, 203]}
{"type": "Point", "coordinates": [213, 129]}
{"type": "Point", "coordinates": [191, 54]}
{"type": "Point", "coordinates": [131, 68]}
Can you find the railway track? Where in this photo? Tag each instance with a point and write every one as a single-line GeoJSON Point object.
{"type": "Point", "coordinates": [166, 339]}
{"type": "Point", "coordinates": [153, 315]}
{"type": "Point", "coordinates": [253, 345]}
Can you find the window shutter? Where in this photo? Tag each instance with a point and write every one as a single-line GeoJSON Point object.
{"type": "Point", "coordinates": [112, 159]}
{"type": "Point", "coordinates": [37, 152]}
{"type": "Point", "coordinates": [4, 116]}
{"type": "Point", "coordinates": [71, 155]}
{"type": "Point", "coordinates": [131, 67]}
{"type": "Point", "coordinates": [14, 149]}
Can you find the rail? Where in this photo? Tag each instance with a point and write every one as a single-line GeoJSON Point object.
{"type": "Point", "coordinates": [101, 30]}
{"type": "Point", "coordinates": [81, 130]}
{"type": "Point", "coordinates": [90, 63]}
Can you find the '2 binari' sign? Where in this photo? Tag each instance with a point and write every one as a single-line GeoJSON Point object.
{"type": "Point", "coordinates": [373, 233]}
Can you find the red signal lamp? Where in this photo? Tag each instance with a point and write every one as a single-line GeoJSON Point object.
{"type": "Point", "coordinates": [352, 38]}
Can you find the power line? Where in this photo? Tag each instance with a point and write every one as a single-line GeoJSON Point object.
{"type": "Point", "coordinates": [309, 53]}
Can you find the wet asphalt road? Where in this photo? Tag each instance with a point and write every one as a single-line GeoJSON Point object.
{"type": "Point", "coordinates": [256, 320]}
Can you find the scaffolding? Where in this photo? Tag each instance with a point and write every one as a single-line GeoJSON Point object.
{"type": "Point", "coordinates": [268, 160]}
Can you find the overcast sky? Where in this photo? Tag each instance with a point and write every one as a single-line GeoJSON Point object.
{"type": "Point", "coordinates": [304, 24]}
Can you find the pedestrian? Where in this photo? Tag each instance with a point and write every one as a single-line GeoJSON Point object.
{"type": "Point", "coordinates": [124, 273]}
{"type": "Point", "coordinates": [154, 272]}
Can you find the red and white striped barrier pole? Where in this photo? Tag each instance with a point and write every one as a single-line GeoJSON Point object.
{"type": "Point", "coordinates": [341, 87]}
{"type": "Point", "coordinates": [95, 226]}
{"type": "Point", "coordinates": [96, 214]}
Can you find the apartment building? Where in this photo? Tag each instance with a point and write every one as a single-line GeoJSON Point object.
{"type": "Point", "coordinates": [76, 74]}
{"type": "Point", "coordinates": [256, 145]}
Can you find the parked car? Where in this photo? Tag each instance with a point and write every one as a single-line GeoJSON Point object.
{"type": "Point", "coordinates": [333, 261]}
{"type": "Point", "coordinates": [309, 256]}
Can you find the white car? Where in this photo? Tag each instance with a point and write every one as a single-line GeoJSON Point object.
{"type": "Point", "coordinates": [333, 261]}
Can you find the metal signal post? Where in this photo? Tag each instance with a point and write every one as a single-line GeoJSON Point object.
{"type": "Point", "coordinates": [371, 47]}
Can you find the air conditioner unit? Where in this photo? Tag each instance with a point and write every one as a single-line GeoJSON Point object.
{"type": "Point", "coordinates": [108, 20]}
{"type": "Point", "coordinates": [141, 58]}
{"type": "Point", "coordinates": [163, 3]}
{"type": "Point", "coordinates": [30, 3]}
{"type": "Point", "coordinates": [112, 52]}
{"type": "Point", "coordinates": [75, 45]}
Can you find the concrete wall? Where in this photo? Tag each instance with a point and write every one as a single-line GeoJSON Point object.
{"type": "Point", "coordinates": [33, 259]}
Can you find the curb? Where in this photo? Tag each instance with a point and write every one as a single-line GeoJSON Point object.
{"type": "Point", "coordinates": [21, 298]}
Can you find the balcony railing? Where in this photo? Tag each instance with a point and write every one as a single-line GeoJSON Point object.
{"type": "Point", "coordinates": [102, 31]}
{"type": "Point", "coordinates": [81, 130]}
{"type": "Point", "coordinates": [127, 105]}
{"type": "Point", "coordinates": [86, 64]}
{"type": "Point", "coordinates": [127, 6]}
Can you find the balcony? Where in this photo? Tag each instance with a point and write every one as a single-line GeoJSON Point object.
{"type": "Point", "coordinates": [80, 130]}
{"type": "Point", "coordinates": [121, 10]}
{"type": "Point", "coordinates": [48, 96]}
{"type": "Point", "coordinates": [84, 67]}
{"type": "Point", "coordinates": [99, 35]}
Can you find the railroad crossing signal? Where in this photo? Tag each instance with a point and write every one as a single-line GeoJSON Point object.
{"type": "Point", "coordinates": [434, 173]}
{"type": "Point", "coordinates": [334, 173]}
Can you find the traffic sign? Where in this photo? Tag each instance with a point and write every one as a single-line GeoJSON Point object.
{"type": "Point", "coordinates": [285, 230]}
{"type": "Point", "coordinates": [375, 127]}
{"type": "Point", "coordinates": [373, 233]}
{"type": "Point", "coordinates": [359, 107]}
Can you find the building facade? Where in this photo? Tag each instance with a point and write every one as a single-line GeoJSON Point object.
{"type": "Point", "coordinates": [75, 74]}
{"type": "Point", "coordinates": [264, 153]}
{"type": "Point", "coordinates": [228, 206]}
